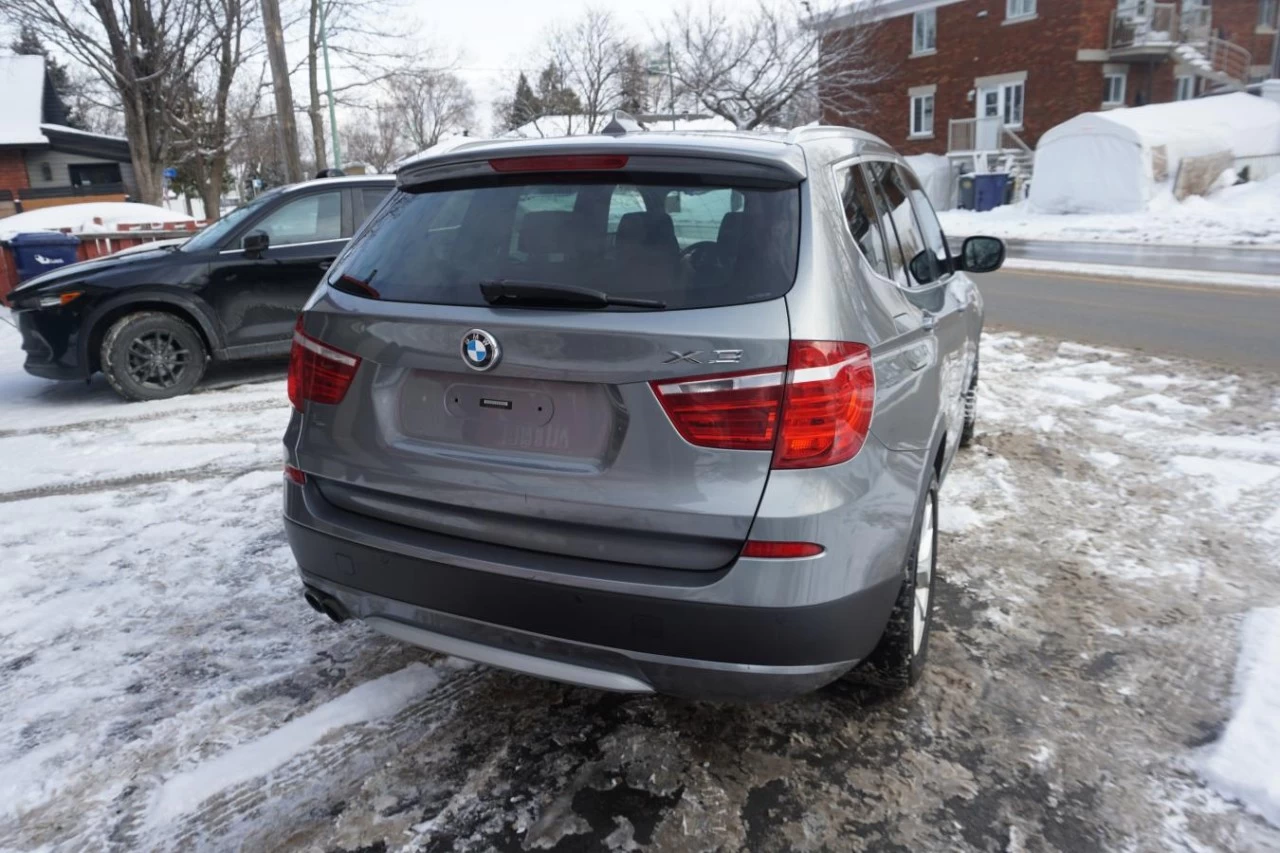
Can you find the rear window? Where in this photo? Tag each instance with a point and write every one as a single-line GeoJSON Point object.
{"type": "Point", "coordinates": [688, 245]}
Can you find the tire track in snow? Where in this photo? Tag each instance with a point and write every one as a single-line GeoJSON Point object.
{"type": "Point", "coordinates": [106, 484]}
{"type": "Point", "coordinates": [310, 780]}
{"type": "Point", "coordinates": [125, 420]}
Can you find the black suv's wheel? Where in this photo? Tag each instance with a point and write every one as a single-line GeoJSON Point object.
{"type": "Point", "coordinates": [898, 660]}
{"type": "Point", "coordinates": [970, 410]}
{"type": "Point", "coordinates": [152, 356]}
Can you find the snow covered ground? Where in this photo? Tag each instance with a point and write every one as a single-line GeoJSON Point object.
{"type": "Point", "coordinates": [1244, 215]}
{"type": "Point", "coordinates": [1109, 543]}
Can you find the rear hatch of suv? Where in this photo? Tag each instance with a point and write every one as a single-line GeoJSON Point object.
{"type": "Point", "coordinates": [580, 355]}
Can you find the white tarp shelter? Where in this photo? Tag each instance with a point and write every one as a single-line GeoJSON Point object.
{"type": "Point", "coordinates": [937, 178]}
{"type": "Point", "coordinates": [1113, 161]}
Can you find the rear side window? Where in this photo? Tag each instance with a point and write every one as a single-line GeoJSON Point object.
{"type": "Point", "coordinates": [888, 215]}
{"type": "Point", "coordinates": [310, 219]}
{"type": "Point", "coordinates": [930, 228]}
{"type": "Point", "coordinates": [863, 221]}
{"type": "Point", "coordinates": [371, 197]}
{"type": "Point", "coordinates": [692, 245]}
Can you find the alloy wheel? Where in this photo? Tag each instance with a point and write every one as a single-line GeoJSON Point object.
{"type": "Point", "coordinates": [157, 359]}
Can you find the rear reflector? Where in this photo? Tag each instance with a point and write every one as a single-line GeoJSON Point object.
{"type": "Point", "coordinates": [294, 475]}
{"type": "Point", "coordinates": [560, 163]}
{"type": "Point", "coordinates": [735, 411]}
{"type": "Point", "coordinates": [318, 372]}
{"type": "Point", "coordinates": [813, 413]}
{"type": "Point", "coordinates": [780, 550]}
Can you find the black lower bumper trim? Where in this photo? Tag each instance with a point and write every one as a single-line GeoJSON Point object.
{"type": "Point", "coordinates": [841, 630]}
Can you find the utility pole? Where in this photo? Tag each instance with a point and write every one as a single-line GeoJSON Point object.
{"type": "Point", "coordinates": [286, 127]}
{"type": "Point", "coordinates": [671, 84]}
{"type": "Point", "coordinates": [328, 85]}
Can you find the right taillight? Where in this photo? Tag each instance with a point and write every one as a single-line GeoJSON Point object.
{"type": "Point", "coordinates": [815, 412]}
{"type": "Point", "coordinates": [831, 388]}
{"type": "Point", "coordinates": [317, 371]}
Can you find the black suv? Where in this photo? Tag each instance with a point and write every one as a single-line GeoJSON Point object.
{"type": "Point", "coordinates": [152, 319]}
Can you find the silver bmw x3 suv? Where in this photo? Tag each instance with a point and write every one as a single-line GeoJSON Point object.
{"type": "Point", "coordinates": [642, 411]}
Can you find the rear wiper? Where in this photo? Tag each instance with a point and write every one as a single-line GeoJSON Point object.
{"type": "Point", "coordinates": [551, 295]}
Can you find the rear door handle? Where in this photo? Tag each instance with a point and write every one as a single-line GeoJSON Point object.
{"type": "Point", "coordinates": [324, 265]}
{"type": "Point", "coordinates": [928, 321]}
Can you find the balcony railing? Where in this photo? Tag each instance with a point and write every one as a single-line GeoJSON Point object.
{"type": "Point", "coordinates": [1142, 23]}
{"type": "Point", "coordinates": [987, 135]}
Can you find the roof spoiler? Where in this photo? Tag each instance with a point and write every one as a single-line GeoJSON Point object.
{"type": "Point", "coordinates": [493, 166]}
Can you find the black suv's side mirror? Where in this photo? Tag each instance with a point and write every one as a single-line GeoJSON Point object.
{"type": "Point", "coordinates": [982, 254]}
{"type": "Point", "coordinates": [255, 243]}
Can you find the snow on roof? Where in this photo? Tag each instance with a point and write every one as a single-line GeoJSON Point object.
{"type": "Point", "coordinates": [62, 128]}
{"type": "Point", "coordinates": [81, 217]}
{"type": "Point", "coordinates": [1244, 124]}
{"type": "Point", "coordinates": [21, 100]}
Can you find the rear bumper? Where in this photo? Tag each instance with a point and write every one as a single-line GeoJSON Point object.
{"type": "Point", "coordinates": [596, 637]}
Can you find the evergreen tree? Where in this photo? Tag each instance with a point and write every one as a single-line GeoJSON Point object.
{"type": "Point", "coordinates": [554, 95]}
{"type": "Point", "coordinates": [635, 83]}
{"type": "Point", "coordinates": [29, 43]}
{"type": "Point", "coordinates": [524, 106]}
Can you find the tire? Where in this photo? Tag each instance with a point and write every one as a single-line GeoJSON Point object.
{"type": "Point", "coordinates": [152, 355]}
{"type": "Point", "coordinates": [899, 658]}
{"type": "Point", "coordinates": [970, 410]}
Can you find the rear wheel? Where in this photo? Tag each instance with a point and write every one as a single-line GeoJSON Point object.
{"type": "Point", "coordinates": [898, 660]}
{"type": "Point", "coordinates": [152, 356]}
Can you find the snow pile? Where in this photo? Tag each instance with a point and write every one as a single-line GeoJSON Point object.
{"type": "Point", "coordinates": [937, 178]}
{"type": "Point", "coordinates": [1247, 214]}
{"type": "Point", "coordinates": [89, 217]}
{"type": "Point", "coordinates": [1244, 764]}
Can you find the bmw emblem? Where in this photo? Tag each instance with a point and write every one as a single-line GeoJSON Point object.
{"type": "Point", "coordinates": [479, 350]}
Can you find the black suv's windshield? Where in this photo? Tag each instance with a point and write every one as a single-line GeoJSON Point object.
{"type": "Point", "coordinates": [213, 235]}
{"type": "Point", "coordinates": [683, 245]}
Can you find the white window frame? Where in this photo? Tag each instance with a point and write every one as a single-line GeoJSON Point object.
{"type": "Point", "coordinates": [922, 132]}
{"type": "Point", "coordinates": [923, 46]}
{"type": "Point", "coordinates": [1187, 80]}
{"type": "Point", "coordinates": [1019, 10]}
{"type": "Point", "coordinates": [1267, 15]}
{"type": "Point", "coordinates": [1113, 99]}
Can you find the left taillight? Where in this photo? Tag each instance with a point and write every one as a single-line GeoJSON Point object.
{"type": "Point", "coordinates": [318, 372]}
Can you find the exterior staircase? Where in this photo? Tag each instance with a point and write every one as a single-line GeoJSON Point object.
{"type": "Point", "coordinates": [1143, 30]}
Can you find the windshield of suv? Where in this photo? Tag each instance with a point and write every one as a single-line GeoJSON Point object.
{"type": "Point", "coordinates": [683, 244]}
{"type": "Point", "coordinates": [211, 236]}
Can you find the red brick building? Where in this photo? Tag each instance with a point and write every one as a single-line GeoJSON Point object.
{"type": "Point", "coordinates": [993, 75]}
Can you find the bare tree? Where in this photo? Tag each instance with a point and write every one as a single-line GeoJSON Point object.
{"type": "Point", "coordinates": [144, 51]}
{"type": "Point", "coordinates": [205, 133]}
{"type": "Point", "coordinates": [591, 53]}
{"type": "Point", "coordinates": [750, 68]}
{"type": "Point", "coordinates": [431, 103]}
{"type": "Point", "coordinates": [380, 143]}
{"type": "Point", "coordinates": [358, 38]}
{"type": "Point", "coordinates": [285, 125]}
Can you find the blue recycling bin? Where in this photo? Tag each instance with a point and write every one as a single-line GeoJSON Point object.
{"type": "Point", "coordinates": [990, 190]}
{"type": "Point", "coordinates": [39, 252]}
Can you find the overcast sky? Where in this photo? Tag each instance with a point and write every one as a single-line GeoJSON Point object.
{"type": "Point", "coordinates": [500, 37]}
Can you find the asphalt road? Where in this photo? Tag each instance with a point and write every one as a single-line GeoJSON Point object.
{"type": "Point", "coordinates": [1236, 327]}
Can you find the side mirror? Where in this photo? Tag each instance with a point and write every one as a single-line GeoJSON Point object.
{"type": "Point", "coordinates": [255, 243]}
{"type": "Point", "coordinates": [982, 254]}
